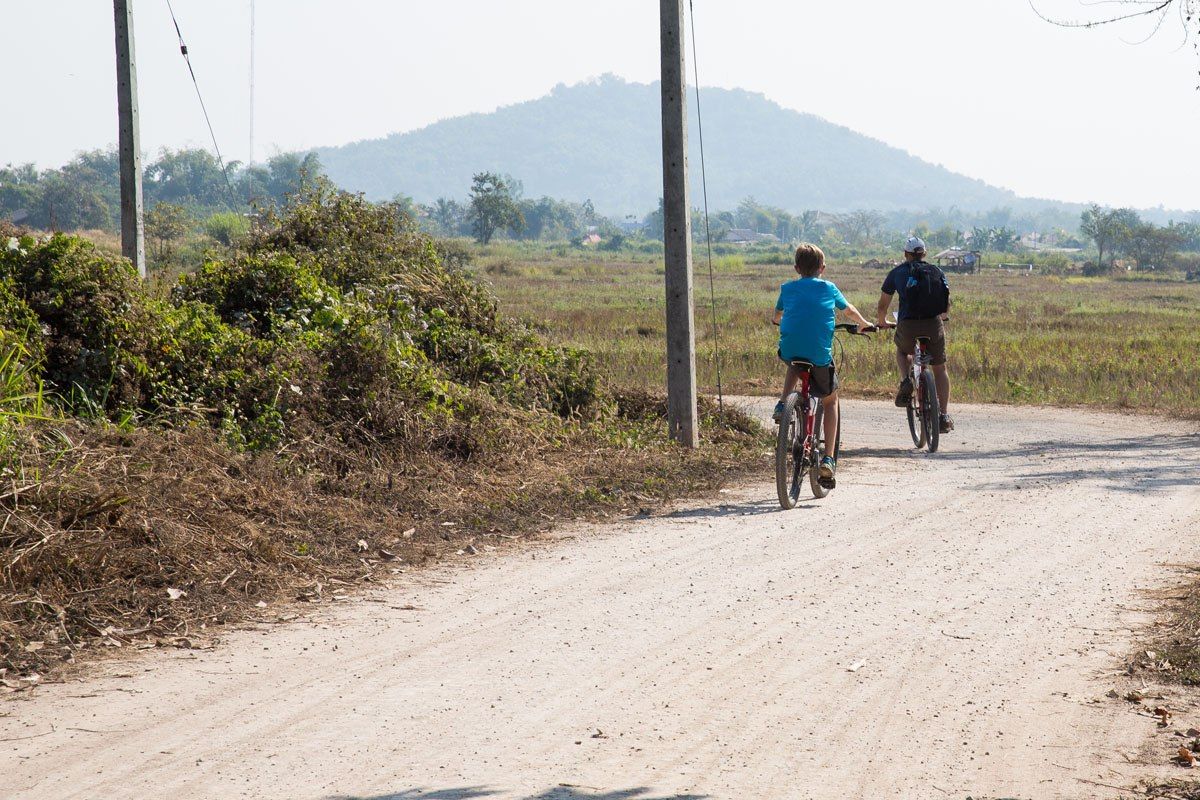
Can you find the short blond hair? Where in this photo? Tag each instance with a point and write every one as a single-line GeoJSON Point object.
{"type": "Point", "coordinates": [809, 260]}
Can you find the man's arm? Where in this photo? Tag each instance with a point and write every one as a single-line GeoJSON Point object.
{"type": "Point", "coordinates": [777, 317]}
{"type": "Point", "coordinates": [881, 308]}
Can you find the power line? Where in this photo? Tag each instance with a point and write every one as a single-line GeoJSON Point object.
{"type": "Point", "coordinates": [250, 172]}
{"type": "Point", "coordinates": [183, 49]}
{"type": "Point", "coordinates": [712, 292]}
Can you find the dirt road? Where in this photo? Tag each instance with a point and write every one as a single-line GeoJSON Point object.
{"type": "Point", "coordinates": [939, 626]}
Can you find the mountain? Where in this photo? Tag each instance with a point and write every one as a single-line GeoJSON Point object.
{"type": "Point", "coordinates": [601, 140]}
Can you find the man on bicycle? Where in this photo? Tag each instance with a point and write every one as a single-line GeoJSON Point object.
{"type": "Point", "coordinates": [924, 303]}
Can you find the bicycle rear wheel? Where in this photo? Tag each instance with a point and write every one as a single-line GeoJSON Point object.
{"type": "Point", "coordinates": [790, 461]}
{"type": "Point", "coordinates": [930, 412]}
{"type": "Point", "coordinates": [819, 489]}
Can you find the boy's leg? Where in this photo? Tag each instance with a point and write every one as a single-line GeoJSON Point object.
{"type": "Point", "coordinates": [830, 416]}
{"type": "Point", "coordinates": [789, 382]}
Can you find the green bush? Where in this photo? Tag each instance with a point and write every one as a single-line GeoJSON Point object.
{"type": "Point", "coordinates": [336, 318]}
{"type": "Point", "coordinates": [263, 292]}
{"type": "Point", "coordinates": [226, 227]}
{"type": "Point", "coordinates": [91, 312]}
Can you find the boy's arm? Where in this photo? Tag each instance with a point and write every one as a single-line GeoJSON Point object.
{"type": "Point", "coordinates": [853, 314]}
{"type": "Point", "coordinates": [777, 317]}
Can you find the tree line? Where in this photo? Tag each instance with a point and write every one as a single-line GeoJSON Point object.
{"type": "Point", "coordinates": [187, 190]}
{"type": "Point", "coordinates": [1122, 232]}
{"type": "Point", "coordinates": [85, 194]}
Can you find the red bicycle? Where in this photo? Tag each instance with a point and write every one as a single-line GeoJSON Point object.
{"type": "Point", "coordinates": [801, 442]}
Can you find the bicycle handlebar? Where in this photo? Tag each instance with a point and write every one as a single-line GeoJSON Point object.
{"type": "Point", "coordinates": [855, 330]}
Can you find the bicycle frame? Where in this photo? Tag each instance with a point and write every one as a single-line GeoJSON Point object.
{"type": "Point", "coordinates": [810, 413]}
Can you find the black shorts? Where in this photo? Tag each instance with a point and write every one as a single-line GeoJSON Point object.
{"type": "Point", "coordinates": [822, 381]}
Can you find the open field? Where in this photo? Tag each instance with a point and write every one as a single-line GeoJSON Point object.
{"type": "Point", "coordinates": [1014, 338]}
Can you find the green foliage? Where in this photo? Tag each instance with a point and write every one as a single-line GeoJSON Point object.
{"type": "Point", "coordinates": [85, 193]}
{"type": "Point", "coordinates": [263, 293]}
{"type": "Point", "coordinates": [167, 223]}
{"type": "Point", "coordinates": [91, 309]}
{"type": "Point", "coordinates": [338, 318]}
{"type": "Point", "coordinates": [226, 227]}
{"type": "Point", "coordinates": [493, 206]}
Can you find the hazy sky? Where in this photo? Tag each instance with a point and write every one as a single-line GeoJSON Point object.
{"type": "Point", "coordinates": [981, 86]}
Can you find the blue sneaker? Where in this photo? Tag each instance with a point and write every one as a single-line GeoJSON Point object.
{"type": "Point", "coordinates": [778, 415]}
{"type": "Point", "coordinates": [828, 467]}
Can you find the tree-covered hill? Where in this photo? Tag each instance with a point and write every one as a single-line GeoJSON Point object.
{"type": "Point", "coordinates": [601, 140]}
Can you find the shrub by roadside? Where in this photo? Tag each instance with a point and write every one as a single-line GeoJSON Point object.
{"type": "Point", "coordinates": [272, 424]}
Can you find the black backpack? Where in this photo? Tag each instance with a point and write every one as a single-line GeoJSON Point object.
{"type": "Point", "coordinates": [924, 293]}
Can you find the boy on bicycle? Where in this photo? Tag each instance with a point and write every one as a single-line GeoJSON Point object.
{"type": "Point", "coordinates": [806, 314]}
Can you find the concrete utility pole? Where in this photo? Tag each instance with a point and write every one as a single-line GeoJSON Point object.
{"type": "Point", "coordinates": [133, 239]}
{"type": "Point", "coordinates": [677, 233]}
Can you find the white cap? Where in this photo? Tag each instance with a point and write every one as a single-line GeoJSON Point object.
{"type": "Point", "coordinates": [914, 244]}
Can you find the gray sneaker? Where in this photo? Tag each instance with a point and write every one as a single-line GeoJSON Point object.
{"type": "Point", "coordinates": [828, 467]}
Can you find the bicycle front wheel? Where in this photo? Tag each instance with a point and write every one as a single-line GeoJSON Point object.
{"type": "Point", "coordinates": [930, 412]}
{"type": "Point", "coordinates": [790, 460]}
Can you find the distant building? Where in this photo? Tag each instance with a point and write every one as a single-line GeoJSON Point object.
{"type": "Point", "coordinates": [958, 259]}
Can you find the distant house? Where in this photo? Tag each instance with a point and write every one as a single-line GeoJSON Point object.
{"type": "Point", "coordinates": [958, 259]}
{"type": "Point", "coordinates": [591, 238]}
{"type": "Point", "coordinates": [747, 236]}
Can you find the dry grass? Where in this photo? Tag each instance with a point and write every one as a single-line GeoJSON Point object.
{"type": "Point", "coordinates": [148, 535]}
{"type": "Point", "coordinates": [1014, 338]}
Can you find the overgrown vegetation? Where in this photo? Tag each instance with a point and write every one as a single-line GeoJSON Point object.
{"type": "Point", "coordinates": [276, 419]}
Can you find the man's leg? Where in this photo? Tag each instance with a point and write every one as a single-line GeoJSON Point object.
{"type": "Point", "coordinates": [904, 393]}
{"type": "Point", "coordinates": [942, 378]}
{"type": "Point", "coordinates": [904, 362]}
{"type": "Point", "coordinates": [831, 422]}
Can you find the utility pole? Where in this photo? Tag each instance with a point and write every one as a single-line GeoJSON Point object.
{"type": "Point", "coordinates": [133, 239]}
{"type": "Point", "coordinates": [250, 166]}
{"type": "Point", "coordinates": [677, 232]}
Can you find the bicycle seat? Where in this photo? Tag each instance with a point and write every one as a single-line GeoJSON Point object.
{"type": "Point", "coordinates": [802, 364]}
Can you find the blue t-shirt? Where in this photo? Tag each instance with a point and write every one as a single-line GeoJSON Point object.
{"type": "Point", "coordinates": [806, 330]}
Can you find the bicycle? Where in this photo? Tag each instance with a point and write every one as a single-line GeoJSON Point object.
{"type": "Point", "coordinates": [923, 410]}
{"type": "Point", "coordinates": [801, 440]}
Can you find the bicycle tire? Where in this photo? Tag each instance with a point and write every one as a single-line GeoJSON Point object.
{"type": "Point", "coordinates": [915, 428]}
{"type": "Point", "coordinates": [819, 490]}
{"type": "Point", "coordinates": [789, 471]}
{"type": "Point", "coordinates": [930, 412]}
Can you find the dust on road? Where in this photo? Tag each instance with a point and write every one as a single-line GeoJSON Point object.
{"type": "Point", "coordinates": [938, 626]}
